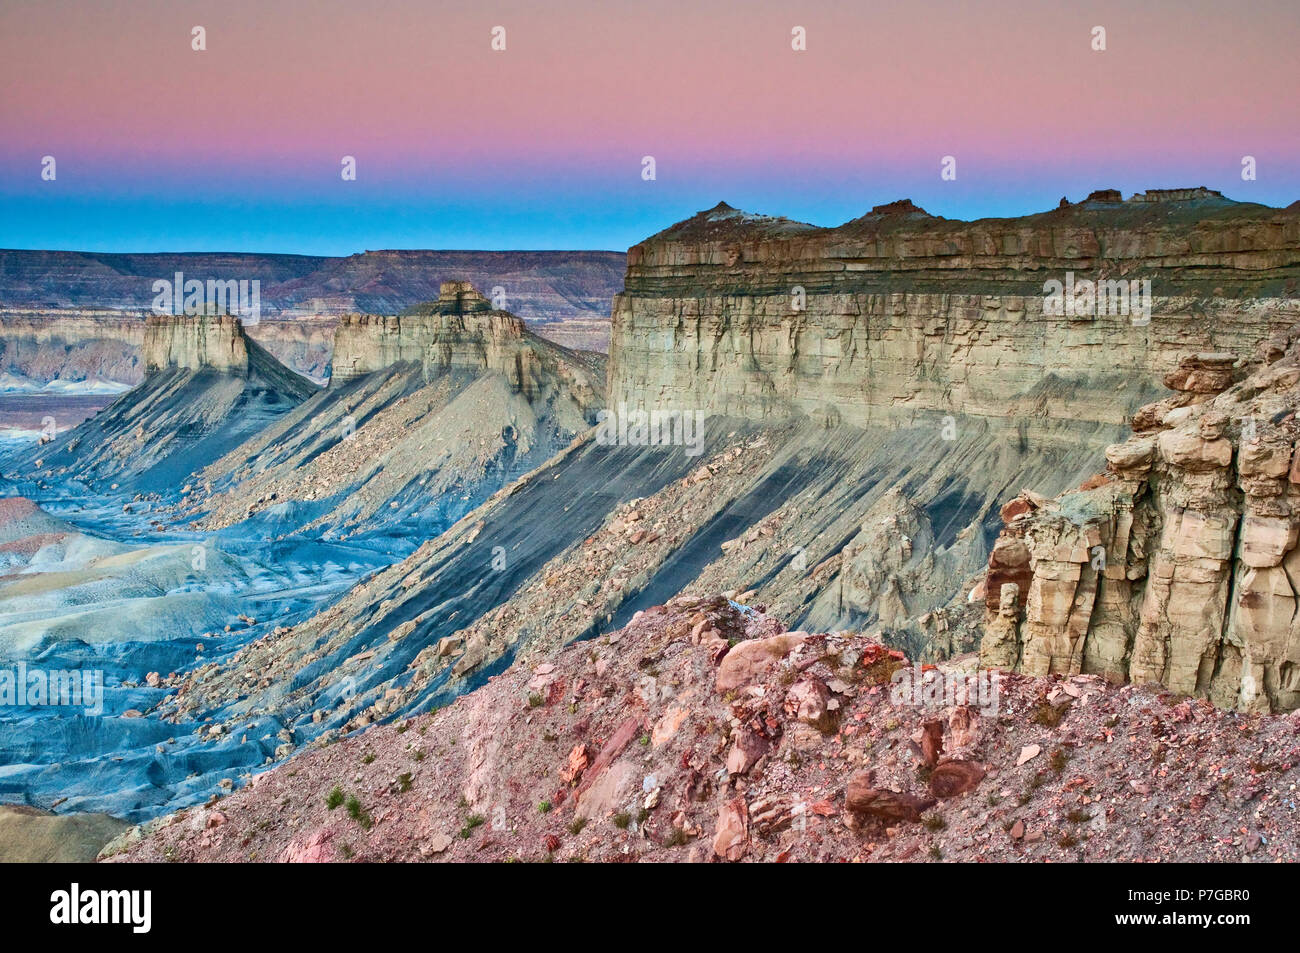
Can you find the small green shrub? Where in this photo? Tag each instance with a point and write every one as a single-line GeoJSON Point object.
{"type": "Point", "coordinates": [358, 813]}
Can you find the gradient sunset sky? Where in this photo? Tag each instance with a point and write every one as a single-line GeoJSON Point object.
{"type": "Point", "coordinates": [238, 148]}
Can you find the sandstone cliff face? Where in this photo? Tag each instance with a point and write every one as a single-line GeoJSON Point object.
{"type": "Point", "coordinates": [460, 330]}
{"type": "Point", "coordinates": [191, 342]}
{"type": "Point", "coordinates": [899, 320]}
{"type": "Point", "coordinates": [207, 387]}
{"type": "Point", "coordinates": [899, 315]}
{"type": "Point", "coordinates": [1178, 565]}
{"type": "Point", "coordinates": [878, 515]}
{"type": "Point", "coordinates": [71, 345]}
{"type": "Point", "coordinates": [427, 413]}
{"type": "Point", "coordinates": [76, 344]}
{"type": "Point", "coordinates": [75, 316]}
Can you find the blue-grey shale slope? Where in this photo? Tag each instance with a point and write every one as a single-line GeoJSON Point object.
{"type": "Point", "coordinates": [179, 419]}
{"type": "Point", "coordinates": [177, 571]}
{"type": "Point", "coordinates": [600, 532]}
{"type": "Point", "coordinates": [88, 597]}
{"type": "Point", "coordinates": [396, 453]}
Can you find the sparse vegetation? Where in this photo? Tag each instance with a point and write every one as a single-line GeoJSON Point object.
{"type": "Point", "coordinates": [1047, 714]}
{"type": "Point", "coordinates": [334, 798]}
{"type": "Point", "coordinates": [471, 822]}
{"type": "Point", "coordinates": [676, 839]}
{"type": "Point", "coordinates": [358, 813]}
{"type": "Point", "coordinates": [622, 819]}
{"type": "Point", "coordinates": [880, 672]}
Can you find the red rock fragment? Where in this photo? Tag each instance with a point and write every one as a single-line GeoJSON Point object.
{"type": "Point", "coordinates": [862, 798]}
{"type": "Point", "coordinates": [578, 762]}
{"type": "Point", "coordinates": [952, 778]}
{"type": "Point", "coordinates": [931, 741]}
{"type": "Point", "coordinates": [731, 842]}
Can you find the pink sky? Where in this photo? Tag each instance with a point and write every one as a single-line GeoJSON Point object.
{"type": "Point", "coordinates": [711, 89]}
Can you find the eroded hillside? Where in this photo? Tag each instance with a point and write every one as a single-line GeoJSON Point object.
{"type": "Point", "coordinates": [426, 415]}
{"type": "Point", "coordinates": [702, 731]}
{"type": "Point", "coordinates": [853, 464]}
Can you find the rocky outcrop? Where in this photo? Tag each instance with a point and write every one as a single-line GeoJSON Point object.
{"type": "Point", "coordinates": [73, 316]}
{"type": "Point", "coordinates": [192, 342]}
{"type": "Point", "coordinates": [703, 732]}
{"type": "Point", "coordinates": [881, 518]}
{"type": "Point", "coordinates": [899, 316]}
{"type": "Point", "coordinates": [73, 345]}
{"type": "Point", "coordinates": [427, 414]}
{"type": "Point", "coordinates": [82, 345]}
{"type": "Point", "coordinates": [459, 331]}
{"type": "Point", "coordinates": [1178, 565]}
{"type": "Point", "coordinates": [208, 387]}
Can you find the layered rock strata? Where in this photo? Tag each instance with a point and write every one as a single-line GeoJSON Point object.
{"type": "Point", "coordinates": [460, 330]}
{"type": "Point", "coordinates": [542, 286]}
{"type": "Point", "coordinates": [192, 342]}
{"type": "Point", "coordinates": [900, 315]}
{"type": "Point", "coordinates": [73, 345]}
{"type": "Point", "coordinates": [1179, 564]}
{"type": "Point", "coordinates": [426, 415]}
{"type": "Point", "coordinates": [208, 387]}
{"type": "Point", "coordinates": [880, 516]}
